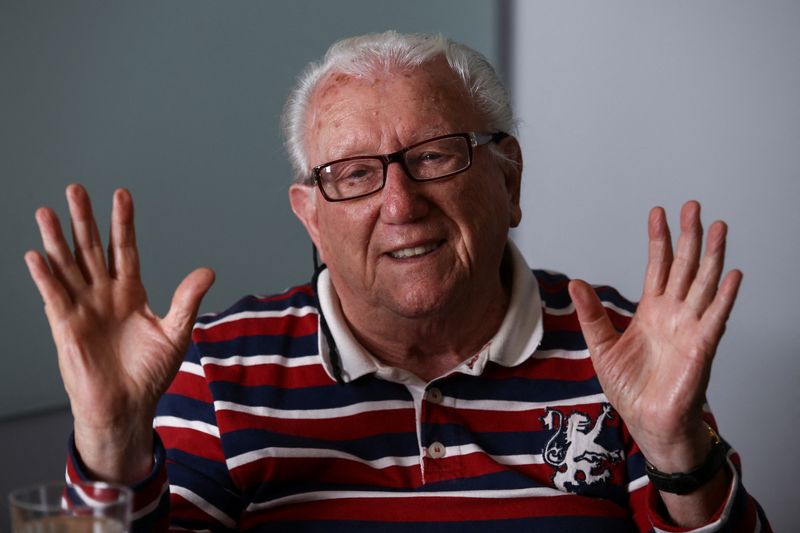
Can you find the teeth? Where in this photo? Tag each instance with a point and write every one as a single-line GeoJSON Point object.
{"type": "Point", "coordinates": [413, 252]}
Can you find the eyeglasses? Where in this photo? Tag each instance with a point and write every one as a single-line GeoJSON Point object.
{"type": "Point", "coordinates": [429, 160]}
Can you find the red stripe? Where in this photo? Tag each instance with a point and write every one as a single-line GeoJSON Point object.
{"type": "Point", "coordinates": [322, 470]}
{"type": "Point", "coordinates": [486, 421]}
{"type": "Point", "coordinates": [191, 386]}
{"type": "Point", "coordinates": [312, 375]}
{"type": "Point", "coordinates": [186, 510]}
{"type": "Point", "coordinates": [291, 326]}
{"type": "Point", "coordinates": [302, 289]}
{"type": "Point", "coordinates": [548, 368]}
{"type": "Point", "coordinates": [346, 427]}
{"type": "Point", "coordinates": [192, 442]}
{"type": "Point", "coordinates": [439, 509]}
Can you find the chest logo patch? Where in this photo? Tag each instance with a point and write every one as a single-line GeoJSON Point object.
{"type": "Point", "coordinates": [579, 460]}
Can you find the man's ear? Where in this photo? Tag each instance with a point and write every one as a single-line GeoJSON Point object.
{"type": "Point", "coordinates": [512, 170]}
{"type": "Point", "coordinates": [304, 205]}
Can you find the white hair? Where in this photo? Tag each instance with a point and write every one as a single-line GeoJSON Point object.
{"type": "Point", "coordinates": [375, 54]}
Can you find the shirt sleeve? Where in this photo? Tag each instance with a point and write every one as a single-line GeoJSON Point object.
{"type": "Point", "coordinates": [190, 487]}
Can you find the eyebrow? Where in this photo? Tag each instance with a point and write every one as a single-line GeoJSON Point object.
{"type": "Point", "coordinates": [348, 148]}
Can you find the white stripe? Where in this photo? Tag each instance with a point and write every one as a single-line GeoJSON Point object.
{"type": "Point", "coordinates": [289, 311]}
{"type": "Point", "coordinates": [517, 460]}
{"type": "Point", "coordinates": [618, 310]}
{"type": "Point", "coordinates": [508, 405]}
{"type": "Point", "coordinates": [568, 310]}
{"type": "Point", "coordinates": [536, 492]}
{"type": "Point", "coordinates": [176, 422]}
{"type": "Point", "coordinates": [150, 507]}
{"type": "Point", "coordinates": [202, 504]}
{"type": "Point", "coordinates": [252, 360]}
{"type": "Point", "coordinates": [384, 462]}
{"type": "Point", "coordinates": [562, 354]}
{"type": "Point", "coordinates": [314, 414]}
{"type": "Point", "coordinates": [192, 368]}
{"type": "Point", "coordinates": [315, 453]}
{"type": "Point", "coordinates": [556, 311]}
{"type": "Point", "coordinates": [638, 483]}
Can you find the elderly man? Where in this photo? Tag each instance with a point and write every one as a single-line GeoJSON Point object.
{"type": "Point", "coordinates": [427, 380]}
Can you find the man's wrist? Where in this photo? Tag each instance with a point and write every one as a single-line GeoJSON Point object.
{"type": "Point", "coordinates": [687, 481]}
{"type": "Point", "coordinates": [115, 454]}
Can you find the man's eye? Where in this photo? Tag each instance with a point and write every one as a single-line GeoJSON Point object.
{"type": "Point", "coordinates": [355, 173]}
{"type": "Point", "coordinates": [432, 157]}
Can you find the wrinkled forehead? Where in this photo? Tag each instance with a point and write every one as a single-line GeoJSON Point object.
{"type": "Point", "coordinates": [357, 115]}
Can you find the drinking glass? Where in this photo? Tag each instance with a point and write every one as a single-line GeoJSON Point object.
{"type": "Point", "coordinates": [75, 507]}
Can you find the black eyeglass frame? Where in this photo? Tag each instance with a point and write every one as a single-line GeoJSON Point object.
{"type": "Point", "coordinates": [473, 139]}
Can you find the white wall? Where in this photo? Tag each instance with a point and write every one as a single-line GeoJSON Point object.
{"type": "Point", "coordinates": [625, 105]}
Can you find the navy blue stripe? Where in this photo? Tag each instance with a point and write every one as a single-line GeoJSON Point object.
{"type": "Point", "coordinates": [284, 345]}
{"type": "Point", "coordinates": [507, 443]}
{"type": "Point", "coordinates": [188, 408]}
{"type": "Point", "coordinates": [192, 464]}
{"type": "Point", "coordinates": [516, 389]}
{"type": "Point", "coordinates": [218, 490]}
{"type": "Point", "coordinates": [505, 480]}
{"type": "Point", "coordinates": [367, 448]}
{"type": "Point", "coordinates": [562, 340]}
{"type": "Point", "coordinates": [147, 523]}
{"type": "Point", "coordinates": [549, 278]}
{"type": "Point", "coordinates": [560, 299]}
{"type": "Point", "coordinates": [253, 303]}
{"type": "Point", "coordinates": [321, 397]}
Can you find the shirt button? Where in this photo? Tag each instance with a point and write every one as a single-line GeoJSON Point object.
{"type": "Point", "coordinates": [436, 450]}
{"type": "Point", "coordinates": [435, 395]}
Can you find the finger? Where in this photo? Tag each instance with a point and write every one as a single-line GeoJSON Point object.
{"type": "Point", "coordinates": [705, 284]}
{"type": "Point", "coordinates": [56, 299]}
{"type": "Point", "coordinates": [659, 252]}
{"type": "Point", "coordinates": [59, 256]}
{"type": "Point", "coordinates": [687, 255]}
{"type": "Point", "coordinates": [595, 324]}
{"type": "Point", "coordinates": [85, 236]}
{"type": "Point", "coordinates": [185, 303]}
{"type": "Point", "coordinates": [123, 255]}
{"type": "Point", "coordinates": [716, 315]}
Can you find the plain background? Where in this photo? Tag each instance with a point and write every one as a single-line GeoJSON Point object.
{"type": "Point", "coordinates": [623, 105]}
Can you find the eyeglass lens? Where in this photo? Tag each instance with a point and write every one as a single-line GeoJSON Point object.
{"type": "Point", "coordinates": [427, 161]}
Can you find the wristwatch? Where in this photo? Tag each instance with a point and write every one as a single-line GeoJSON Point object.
{"type": "Point", "coordinates": [688, 482]}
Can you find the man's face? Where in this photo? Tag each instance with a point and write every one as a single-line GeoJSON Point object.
{"type": "Point", "coordinates": [412, 249]}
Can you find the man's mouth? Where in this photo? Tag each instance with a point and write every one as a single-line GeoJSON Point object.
{"type": "Point", "coordinates": [415, 251]}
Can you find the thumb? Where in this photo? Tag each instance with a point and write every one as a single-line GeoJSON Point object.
{"type": "Point", "coordinates": [595, 324]}
{"type": "Point", "coordinates": [185, 302]}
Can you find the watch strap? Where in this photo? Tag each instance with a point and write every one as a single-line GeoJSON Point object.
{"type": "Point", "coordinates": [688, 482]}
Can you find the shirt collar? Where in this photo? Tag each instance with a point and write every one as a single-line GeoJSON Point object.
{"type": "Point", "coordinates": [517, 338]}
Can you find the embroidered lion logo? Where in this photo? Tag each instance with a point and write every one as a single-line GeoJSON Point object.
{"type": "Point", "coordinates": [573, 449]}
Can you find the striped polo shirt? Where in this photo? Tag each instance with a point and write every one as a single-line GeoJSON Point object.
{"type": "Point", "coordinates": [256, 435]}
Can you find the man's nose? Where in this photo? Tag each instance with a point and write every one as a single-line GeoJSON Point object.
{"type": "Point", "coordinates": [403, 198]}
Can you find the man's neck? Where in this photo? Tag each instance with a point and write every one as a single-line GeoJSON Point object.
{"type": "Point", "coordinates": [430, 347]}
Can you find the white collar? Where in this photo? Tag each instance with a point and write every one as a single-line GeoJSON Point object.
{"type": "Point", "coordinates": [518, 337]}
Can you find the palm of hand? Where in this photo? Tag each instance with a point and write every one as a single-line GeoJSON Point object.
{"type": "Point", "coordinates": [655, 374]}
{"type": "Point", "coordinates": [115, 352]}
{"type": "Point", "coordinates": [115, 355]}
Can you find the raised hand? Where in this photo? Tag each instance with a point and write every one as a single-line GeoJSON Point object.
{"type": "Point", "coordinates": [115, 355]}
{"type": "Point", "coordinates": [656, 373]}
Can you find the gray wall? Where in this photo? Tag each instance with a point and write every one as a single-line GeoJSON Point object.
{"type": "Point", "coordinates": [180, 102]}
{"type": "Point", "coordinates": [626, 105]}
